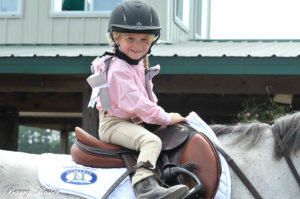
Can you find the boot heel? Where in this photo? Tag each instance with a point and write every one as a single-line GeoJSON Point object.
{"type": "Point", "coordinates": [150, 189]}
{"type": "Point", "coordinates": [176, 192]}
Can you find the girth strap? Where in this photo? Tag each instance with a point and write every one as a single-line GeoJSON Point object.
{"type": "Point", "coordinates": [287, 157]}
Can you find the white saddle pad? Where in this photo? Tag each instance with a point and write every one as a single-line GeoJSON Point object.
{"type": "Point", "coordinates": [61, 173]}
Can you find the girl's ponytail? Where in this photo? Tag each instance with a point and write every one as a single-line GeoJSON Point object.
{"type": "Point", "coordinates": [145, 62]}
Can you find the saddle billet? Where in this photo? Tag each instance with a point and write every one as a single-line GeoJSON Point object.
{"type": "Point", "coordinates": [182, 147]}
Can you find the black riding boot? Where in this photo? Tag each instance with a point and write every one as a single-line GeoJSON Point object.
{"type": "Point", "coordinates": [150, 189]}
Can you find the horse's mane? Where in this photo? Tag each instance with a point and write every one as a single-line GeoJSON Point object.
{"type": "Point", "coordinates": [248, 132]}
{"type": "Point", "coordinates": [288, 127]}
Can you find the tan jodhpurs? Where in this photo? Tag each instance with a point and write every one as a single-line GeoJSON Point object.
{"type": "Point", "coordinates": [132, 136]}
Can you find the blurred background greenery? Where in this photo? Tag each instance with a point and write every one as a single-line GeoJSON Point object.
{"type": "Point", "coordinates": [38, 140]}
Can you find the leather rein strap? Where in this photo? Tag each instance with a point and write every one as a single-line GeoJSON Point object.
{"type": "Point", "coordinates": [239, 173]}
{"type": "Point", "coordinates": [245, 180]}
{"type": "Point", "coordinates": [287, 157]}
{"type": "Point", "coordinates": [127, 159]}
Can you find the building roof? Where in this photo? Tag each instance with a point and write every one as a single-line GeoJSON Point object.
{"type": "Point", "coordinates": [230, 49]}
{"type": "Point", "coordinates": [182, 49]}
{"type": "Point", "coordinates": [192, 57]}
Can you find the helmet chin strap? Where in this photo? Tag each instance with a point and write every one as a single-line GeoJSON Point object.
{"type": "Point", "coordinates": [123, 56]}
{"type": "Point", "coordinates": [156, 39]}
{"type": "Point", "coordinates": [113, 40]}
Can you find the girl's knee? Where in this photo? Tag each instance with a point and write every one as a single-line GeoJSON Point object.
{"type": "Point", "coordinates": [155, 141]}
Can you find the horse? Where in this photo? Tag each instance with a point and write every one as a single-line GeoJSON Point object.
{"type": "Point", "coordinates": [19, 178]}
{"type": "Point", "coordinates": [252, 146]}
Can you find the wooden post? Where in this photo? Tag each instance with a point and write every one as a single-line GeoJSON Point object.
{"type": "Point", "coordinates": [90, 117]}
{"type": "Point", "coordinates": [64, 140]}
{"type": "Point", "coordinates": [9, 128]}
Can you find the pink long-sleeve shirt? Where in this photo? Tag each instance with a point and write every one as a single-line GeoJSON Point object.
{"type": "Point", "coordinates": [128, 96]}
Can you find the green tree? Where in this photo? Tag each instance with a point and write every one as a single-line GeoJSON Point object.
{"type": "Point", "coordinates": [37, 140]}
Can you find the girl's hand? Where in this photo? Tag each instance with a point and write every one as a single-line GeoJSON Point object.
{"type": "Point", "coordinates": [176, 118]}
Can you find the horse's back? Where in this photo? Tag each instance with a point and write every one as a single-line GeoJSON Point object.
{"type": "Point", "coordinates": [19, 177]}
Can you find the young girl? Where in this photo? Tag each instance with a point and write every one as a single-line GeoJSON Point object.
{"type": "Point", "coordinates": [133, 29]}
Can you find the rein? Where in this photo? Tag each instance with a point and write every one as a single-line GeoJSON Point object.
{"type": "Point", "coordinates": [287, 157]}
{"type": "Point", "coordinates": [243, 177]}
{"type": "Point", "coordinates": [240, 173]}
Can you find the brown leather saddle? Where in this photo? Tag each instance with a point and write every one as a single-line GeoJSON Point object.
{"type": "Point", "coordinates": [187, 157]}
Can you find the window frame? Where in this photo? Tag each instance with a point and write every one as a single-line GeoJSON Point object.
{"type": "Point", "coordinates": [178, 20]}
{"type": "Point", "coordinates": [198, 18]}
{"type": "Point", "coordinates": [84, 13]}
{"type": "Point", "coordinates": [15, 14]}
{"type": "Point", "coordinates": [202, 14]}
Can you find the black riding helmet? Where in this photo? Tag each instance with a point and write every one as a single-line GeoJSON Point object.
{"type": "Point", "coordinates": [134, 16]}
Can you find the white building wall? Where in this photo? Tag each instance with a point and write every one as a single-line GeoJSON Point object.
{"type": "Point", "coordinates": [37, 25]}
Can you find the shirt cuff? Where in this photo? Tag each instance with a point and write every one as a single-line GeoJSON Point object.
{"type": "Point", "coordinates": [168, 118]}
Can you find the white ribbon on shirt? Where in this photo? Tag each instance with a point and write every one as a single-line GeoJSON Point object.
{"type": "Point", "coordinates": [99, 86]}
{"type": "Point", "coordinates": [149, 74]}
{"type": "Point", "coordinates": [96, 81]}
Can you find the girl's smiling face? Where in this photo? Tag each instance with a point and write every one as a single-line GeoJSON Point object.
{"type": "Point", "coordinates": [135, 46]}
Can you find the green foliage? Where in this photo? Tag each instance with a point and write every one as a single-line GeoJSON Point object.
{"type": "Point", "coordinates": [72, 137]}
{"type": "Point", "coordinates": [264, 112]}
{"type": "Point", "coordinates": [37, 140]}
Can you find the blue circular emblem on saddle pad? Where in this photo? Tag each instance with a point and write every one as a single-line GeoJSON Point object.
{"type": "Point", "coordinates": [78, 177]}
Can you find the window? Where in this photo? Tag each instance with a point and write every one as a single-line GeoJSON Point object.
{"type": "Point", "coordinates": [182, 13]}
{"type": "Point", "coordinates": [83, 7]}
{"type": "Point", "coordinates": [103, 5]}
{"type": "Point", "coordinates": [202, 19]}
{"type": "Point", "coordinates": [198, 18]}
{"type": "Point", "coordinates": [10, 8]}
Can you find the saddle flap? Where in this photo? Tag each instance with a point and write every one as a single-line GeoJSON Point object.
{"type": "Point", "coordinates": [201, 151]}
{"type": "Point", "coordinates": [172, 136]}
